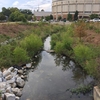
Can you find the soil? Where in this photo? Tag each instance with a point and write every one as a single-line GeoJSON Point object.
{"type": "Point", "coordinates": [12, 30]}
{"type": "Point", "coordinates": [91, 37]}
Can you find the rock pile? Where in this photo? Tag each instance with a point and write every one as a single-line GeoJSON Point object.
{"type": "Point", "coordinates": [12, 82]}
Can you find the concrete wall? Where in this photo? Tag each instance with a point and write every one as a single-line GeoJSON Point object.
{"type": "Point", "coordinates": [96, 93]}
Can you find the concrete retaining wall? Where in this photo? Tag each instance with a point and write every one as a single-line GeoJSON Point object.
{"type": "Point", "coordinates": [96, 93]}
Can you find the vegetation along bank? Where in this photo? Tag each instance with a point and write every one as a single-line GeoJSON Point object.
{"type": "Point", "coordinates": [81, 42]}
{"type": "Point", "coordinates": [21, 41]}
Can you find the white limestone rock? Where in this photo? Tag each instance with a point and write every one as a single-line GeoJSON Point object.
{"type": "Point", "coordinates": [8, 90]}
{"type": "Point", "coordinates": [17, 92]}
{"type": "Point", "coordinates": [17, 98]}
{"type": "Point", "coordinates": [3, 87]}
{"type": "Point", "coordinates": [6, 73]}
{"type": "Point", "coordinates": [23, 77]}
{"type": "Point", "coordinates": [20, 82]}
{"type": "Point", "coordinates": [8, 77]}
{"type": "Point", "coordinates": [13, 85]}
{"type": "Point", "coordinates": [11, 81]}
{"type": "Point", "coordinates": [29, 65]}
{"type": "Point", "coordinates": [20, 71]}
{"type": "Point", "coordinates": [9, 96]}
{"type": "Point", "coordinates": [11, 69]}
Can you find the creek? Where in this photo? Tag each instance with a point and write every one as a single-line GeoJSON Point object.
{"type": "Point", "coordinates": [53, 76]}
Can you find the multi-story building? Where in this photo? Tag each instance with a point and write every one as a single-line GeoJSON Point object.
{"type": "Point", "coordinates": [84, 7]}
{"type": "Point", "coordinates": [40, 14]}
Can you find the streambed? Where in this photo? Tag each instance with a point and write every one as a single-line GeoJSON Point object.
{"type": "Point", "coordinates": [54, 77]}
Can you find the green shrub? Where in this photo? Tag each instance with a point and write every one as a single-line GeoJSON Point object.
{"type": "Point", "coordinates": [6, 55]}
{"type": "Point", "coordinates": [82, 53]}
{"type": "Point", "coordinates": [31, 44]}
{"type": "Point", "coordinates": [59, 48]}
{"type": "Point", "coordinates": [54, 38]}
{"type": "Point", "coordinates": [20, 55]}
{"type": "Point", "coordinates": [91, 67]}
{"type": "Point", "coordinates": [62, 42]}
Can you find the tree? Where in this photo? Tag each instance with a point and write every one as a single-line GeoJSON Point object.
{"type": "Point", "coordinates": [47, 18]}
{"type": "Point", "coordinates": [69, 17]}
{"type": "Point", "coordinates": [42, 18]}
{"type": "Point", "coordinates": [2, 17]}
{"type": "Point", "coordinates": [29, 17]}
{"type": "Point", "coordinates": [51, 17]}
{"type": "Point", "coordinates": [17, 16]}
{"type": "Point", "coordinates": [76, 15]}
{"type": "Point", "coordinates": [13, 9]}
{"type": "Point", "coordinates": [42, 10]}
{"type": "Point", "coordinates": [26, 11]}
{"type": "Point", "coordinates": [6, 12]}
{"type": "Point", "coordinates": [59, 18]}
{"type": "Point", "coordinates": [92, 16]}
{"type": "Point", "coordinates": [34, 18]}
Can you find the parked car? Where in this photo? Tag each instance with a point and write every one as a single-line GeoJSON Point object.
{"type": "Point", "coordinates": [95, 20]}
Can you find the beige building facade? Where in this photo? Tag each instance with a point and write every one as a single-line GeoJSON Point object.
{"type": "Point", "coordinates": [84, 7]}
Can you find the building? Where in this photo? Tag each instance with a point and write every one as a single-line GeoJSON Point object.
{"type": "Point", "coordinates": [40, 14]}
{"type": "Point", "coordinates": [84, 7]}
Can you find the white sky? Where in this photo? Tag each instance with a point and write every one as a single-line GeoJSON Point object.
{"type": "Point", "coordinates": [27, 4]}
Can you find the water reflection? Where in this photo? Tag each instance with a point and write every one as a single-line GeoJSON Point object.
{"type": "Point", "coordinates": [79, 75]}
{"type": "Point", "coordinates": [63, 61]}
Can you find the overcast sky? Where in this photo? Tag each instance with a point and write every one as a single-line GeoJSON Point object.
{"type": "Point", "coordinates": [27, 4]}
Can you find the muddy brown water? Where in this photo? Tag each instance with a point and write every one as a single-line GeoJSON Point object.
{"type": "Point", "coordinates": [53, 76]}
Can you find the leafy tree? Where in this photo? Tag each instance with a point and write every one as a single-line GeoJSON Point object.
{"type": "Point", "coordinates": [59, 18]}
{"type": "Point", "coordinates": [26, 11]}
{"type": "Point", "coordinates": [51, 17]}
{"type": "Point", "coordinates": [22, 18]}
{"type": "Point", "coordinates": [42, 18]}
{"type": "Point", "coordinates": [29, 17]}
{"type": "Point", "coordinates": [34, 18]}
{"type": "Point", "coordinates": [13, 9]}
{"type": "Point", "coordinates": [42, 10]}
{"type": "Point", "coordinates": [47, 18]}
{"type": "Point", "coordinates": [92, 16]}
{"type": "Point", "coordinates": [76, 15]}
{"type": "Point", "coordinates": [2, 17]}
{"type": "Point", "coordinates": [6, 12]}
{"type": "Point", "coordinates": [17, 16]}
{"type": "Point", "coordinates": [69, 17]}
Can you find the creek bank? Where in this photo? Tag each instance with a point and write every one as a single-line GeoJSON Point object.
{"type": "Point", "coordinates": [12, 81]}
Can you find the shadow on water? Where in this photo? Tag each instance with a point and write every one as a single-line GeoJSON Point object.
{"type": "Point", "coordinates": [53, 78]}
